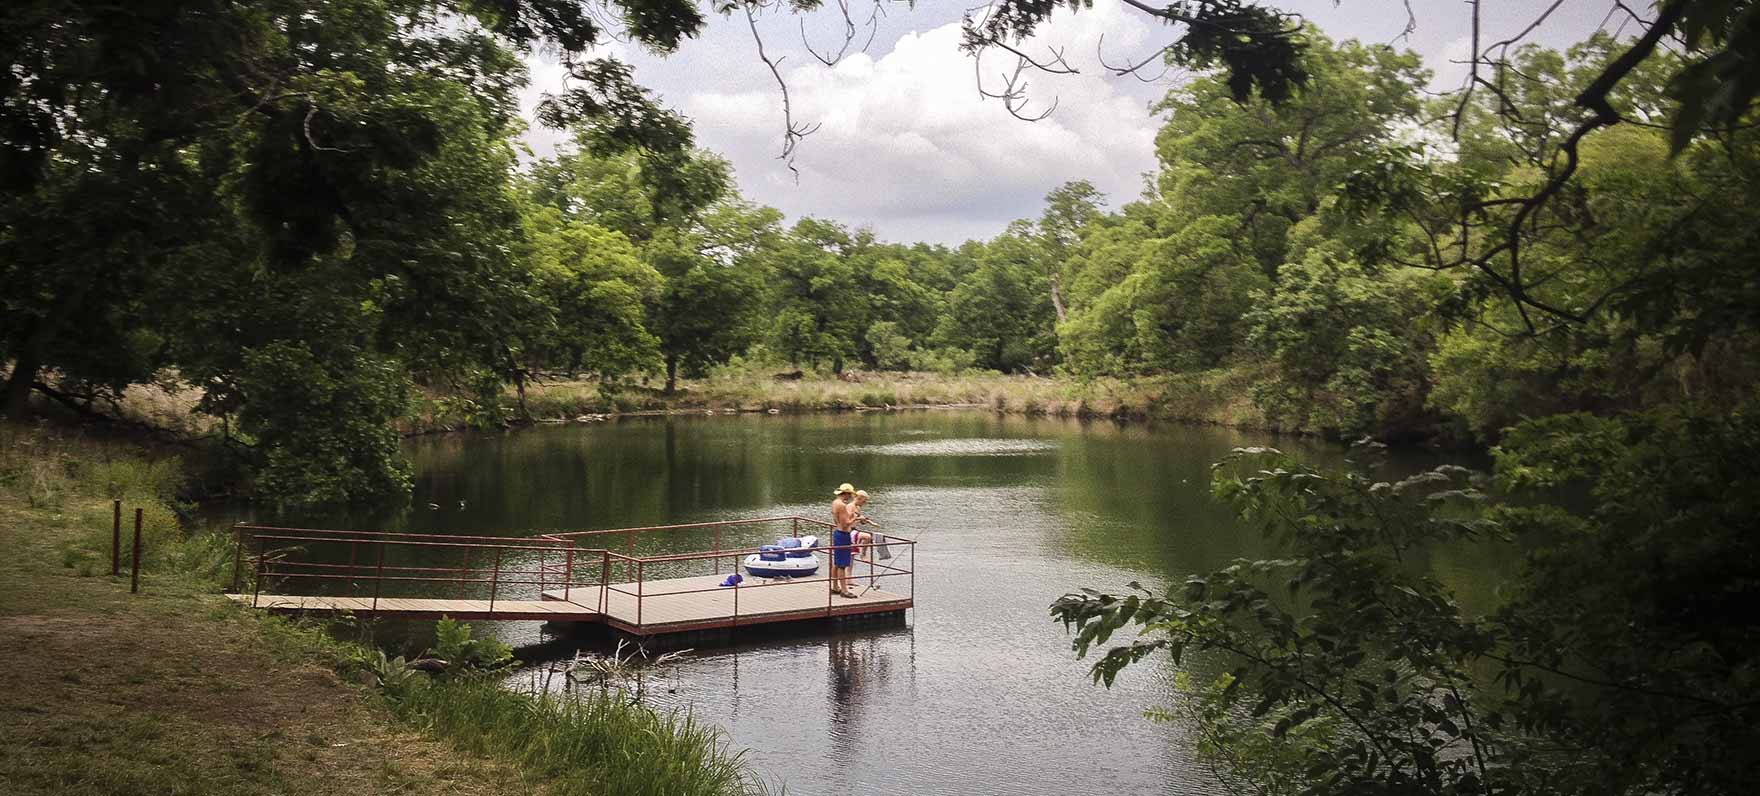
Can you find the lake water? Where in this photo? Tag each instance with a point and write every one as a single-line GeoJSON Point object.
{"type": "Point", "coordinates": [979, 692]}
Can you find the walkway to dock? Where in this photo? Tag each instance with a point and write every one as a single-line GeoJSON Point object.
{"type": "Point", "coordinates": [552, 578]}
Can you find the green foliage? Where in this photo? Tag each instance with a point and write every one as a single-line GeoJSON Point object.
{"type": "Point", "coordinates": [598, 287]}
{"type": "Point", "coordinates": [1001, 312]}
{"type": "Point", "coordinates": [945, 361]}
{"type": "Point", "coordinates": [1349, 346]}
{"type": "Point", "coordinates": [1265, 755]}
{"type": "Point", "coordinates": [321, 193]}
{"type": "Point", "coordinates": [1340, 630]}
{"type": "Point", "coordinates": [891, 349]}
{"type": "Point", "coordinates": [393, 676]}
{"type": "Point", "coordinates": [454, 644]}
{"type": "Point", "coordinates": [1180, 309]}
{"type": "Point", "coordinates": [1618, 660]}
{"type": "Point", "coordinates": [352, 457]}
{"type": "Point", "coordinates": [584, 742]}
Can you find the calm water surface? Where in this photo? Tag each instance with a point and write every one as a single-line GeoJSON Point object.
{"type": "Point", "coordinates": [979, 692]}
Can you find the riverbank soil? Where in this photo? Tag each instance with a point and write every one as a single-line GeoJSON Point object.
{"type": "Point", "coordinates": [176, 692]}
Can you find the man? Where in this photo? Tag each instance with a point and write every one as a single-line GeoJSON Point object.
{"type": "Point", "coordinates": [843, 518]}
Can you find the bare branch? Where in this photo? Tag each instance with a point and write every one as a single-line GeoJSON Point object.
{"type": "Point", "coordinates": [1460, 111]}
{"type": "Point", "coordinates": [1132, 70]}
{"type": "Point", "coordinates": [1014, 90]}
{"type": "Point", "coordinates": [306, 127]}
{"type": "Point", "coordinates": [791, 132]}
{"type": "Point", "coordinates": [849, 37]}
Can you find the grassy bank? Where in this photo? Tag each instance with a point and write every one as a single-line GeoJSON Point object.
{"type": "Point", "coordinates": [177, 691]}
{"type": "Point", "coordinates": [1219, 396]}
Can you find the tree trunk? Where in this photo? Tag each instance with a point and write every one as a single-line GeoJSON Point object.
{"type": "Point", "coordinates": [15, 401]}
{"type": "Point", "coordinates": [1057, 297]}
{"type": "Point", "coordinates": [671, 375]}
{"type": "Point", "coordinates": [519, 384]}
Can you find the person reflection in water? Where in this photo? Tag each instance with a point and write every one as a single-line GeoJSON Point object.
{"type": "Point", "coordinates": [846, 679]}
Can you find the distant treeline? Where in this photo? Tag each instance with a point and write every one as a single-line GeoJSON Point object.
{"type": "Point", "coordinates": [308, 241]}
{"type": "Point", "coordinates": [1255, 247]}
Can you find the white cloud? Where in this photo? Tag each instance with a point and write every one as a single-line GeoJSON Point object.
{"type": "Point", "coordinates": [906, 145]}
{"type": "Point", "coordinates": [909, 148]}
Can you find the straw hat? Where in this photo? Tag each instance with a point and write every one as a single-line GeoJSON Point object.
{"type": "Point", "coordinates": [845, 489]}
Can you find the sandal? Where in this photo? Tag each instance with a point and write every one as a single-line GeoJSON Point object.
{"type": "Point", "coordinates": [850, 594]}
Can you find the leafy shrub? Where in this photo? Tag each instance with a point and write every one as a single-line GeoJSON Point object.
{"type": "Point", "coordinates": [892, 350]}
{"type": "Point", "coordinates": [453, 642]}
{"type": "Point", "coordinates": [945, 361]}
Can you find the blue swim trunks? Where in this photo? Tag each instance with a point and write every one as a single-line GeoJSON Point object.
{"type": "Point", "coordinates": [841, 554]}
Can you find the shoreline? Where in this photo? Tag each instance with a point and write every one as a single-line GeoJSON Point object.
{"type": "Point", "coordinates": [177, 689]}
{"type": "Point", "coordinates": [1212, 398]}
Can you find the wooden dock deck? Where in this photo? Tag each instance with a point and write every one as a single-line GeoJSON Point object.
{"type": "Point", "coordinates": [683, 604]}
{"type": "Point", "coordinates": [554, 578]}
{"type": "Point", "coordinates": [665, 606]}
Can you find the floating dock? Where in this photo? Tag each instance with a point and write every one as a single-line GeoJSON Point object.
{"type": "Point", "coordinates": [554, 578]}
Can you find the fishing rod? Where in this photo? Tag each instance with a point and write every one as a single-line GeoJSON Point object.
{"type": "Point", "coordinates": [874, 542]}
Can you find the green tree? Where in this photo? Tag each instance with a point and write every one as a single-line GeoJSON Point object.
{"type": "Point", "coordinates": [817, 305]}
{"type": "Point", "coordinates": [311, 188]}
{"type": "Point", "coordinates": [1069, 210]}
{"type": "Point", "coordinates": [600, 290]}
{"type": "Point", "coordinates": [1001, 311]}
{"type": "Point", "coordinates": [891, 349]}
{"type": "Point", "coordinates": [1348, 346]}
{"type": "Point", "coordinates": [1620, 660]}
{"type": "Point", "coordinates": [1274, 164]}
{"type": "Point", "coordinates": [1180, 309]}
{"type": "Point", "coordinates": [711, 306]}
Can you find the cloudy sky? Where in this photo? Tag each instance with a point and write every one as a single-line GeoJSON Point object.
{"type": "Point", "coordinates": [907, 146]}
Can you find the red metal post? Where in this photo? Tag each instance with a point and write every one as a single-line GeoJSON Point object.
{"type": "Point", "coordinates": [134, 578]}
{"type": "Point", "coordinates": [494, 580]}
{"type": "Point", "coordinates": [542, 563]}
{"type": "Point", "coordinates": [736, 598]}
{"type": "Point", "coordinates": [464, 572]}
{"type": "Point", "coordinates": [568, 573]}
{"type": "Point", "coordinates": [641, 571]}
{"type": "Point", "coordinates": [718, 549]}
{"type": "Point", "coordinates": [379, 577]}
{"type": "Point", "coordinates": [237, 555]}
{"type": "Point", "coordinates": [352, 545]}
{"type": "Point", "coordinates": [116, 543]}
{"type": "Point", "coordinates": [257, 582]}
{"type": "Point", "coordinates": [605, 583]}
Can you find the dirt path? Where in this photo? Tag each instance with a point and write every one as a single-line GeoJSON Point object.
{"type": "Point", "coordinates": [103, 692]}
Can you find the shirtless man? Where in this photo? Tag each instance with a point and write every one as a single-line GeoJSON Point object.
{"type": "Point", "coordinates": [843, 517]}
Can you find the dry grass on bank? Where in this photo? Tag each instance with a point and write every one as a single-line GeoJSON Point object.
{"type": "Point", "coordinates": [1219, 396]}
{"type": "Point", "coordinates": [179, 691]}
{"type": "Point", "coordinates": [170, 691]}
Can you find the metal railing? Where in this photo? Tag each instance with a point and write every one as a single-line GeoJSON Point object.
{"type": "Point", "coordinates": [554, 565]}
{"type": "Point", "coordinates": [376, 559]}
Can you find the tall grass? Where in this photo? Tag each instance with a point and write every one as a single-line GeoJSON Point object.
{"type": "Point", "coordinates": [591, 743]}
{"type": "Point", "coordinates": [586, 742]}
{"type": "Point", "coordinates": [78, 476]}
{"type": "Point", "coordinates": [1221, 396]}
